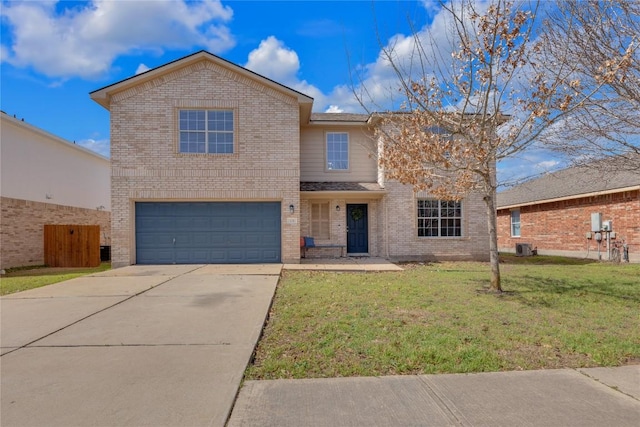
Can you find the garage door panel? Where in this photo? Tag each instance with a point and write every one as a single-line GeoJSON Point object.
{"type": "Point", "coordinates": [202, 240]}
{"type": "Point", "coordinates": [237, 223]}
{"type": "Point", "coordinates": [208, 232]}
{"type": "Point", "coordinates": [155, 240]}
{"type": "Point", "coordinates": [192, 224]}
{"type": "Point", "coordinates": [218, 256]}
{"type": "Point", "coordinates": [160, 256]}
{"type": "Point", "coordinates": [192, 256]}
{"type": "Point", "coordinates": [253, 239]}
{"type": "Point", "coordinates": [269, 224]}
{"type": "Point", "coordinates": [218, 224]}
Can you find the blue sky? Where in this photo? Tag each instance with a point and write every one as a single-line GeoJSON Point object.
{"type": "Point", "coordinates": [55, 52]}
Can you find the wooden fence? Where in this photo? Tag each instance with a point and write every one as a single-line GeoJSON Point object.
{"type": "Point", "coordinates": [72, 245]}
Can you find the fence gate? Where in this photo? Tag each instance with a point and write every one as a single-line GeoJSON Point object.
{"type": "Point", "coordinates": [72, 245]}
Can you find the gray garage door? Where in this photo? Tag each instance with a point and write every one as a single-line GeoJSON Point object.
{"type": "Point", "coordinates": [207, 232]}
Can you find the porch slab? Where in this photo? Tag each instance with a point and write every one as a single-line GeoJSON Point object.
{"type": "Point", "coordinates": [361, 264]}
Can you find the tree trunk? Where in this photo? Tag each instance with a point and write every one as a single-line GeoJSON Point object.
{"type": "Point", "coordinates": [492, 223]}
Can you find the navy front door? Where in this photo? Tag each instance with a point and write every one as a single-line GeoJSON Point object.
{"type": "Point", "coordinates": [357, 229]}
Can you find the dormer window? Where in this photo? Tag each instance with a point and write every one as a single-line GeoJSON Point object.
{"type": "Point", "coordinates": [206, 131]}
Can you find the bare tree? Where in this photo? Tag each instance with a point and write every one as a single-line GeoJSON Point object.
{"type": "Point", "coordinates": [489, 99]}
{"type": "Point", "coordinates": [601, 39]}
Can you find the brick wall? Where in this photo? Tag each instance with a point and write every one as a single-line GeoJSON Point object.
{"type": "Point", "coordinates": [399, 232]}
{"type": "Point", "coordinates": [393, 228]}
{"type": "Point", "coordinates": [22, 228]}
{"type": "Point", "coordinates": [558, 228]}
{"type": "Point", "coordinates": [146, 165]}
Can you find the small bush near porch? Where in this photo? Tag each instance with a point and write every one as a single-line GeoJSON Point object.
{"type": "Point", "coordinates": [436, 318]}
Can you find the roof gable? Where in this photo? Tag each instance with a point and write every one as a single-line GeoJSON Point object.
{"type": "Point", "coordinates": [104, 95]}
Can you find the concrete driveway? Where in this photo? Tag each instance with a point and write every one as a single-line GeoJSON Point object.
{"type": "Point", "coordinates": [136, 346]}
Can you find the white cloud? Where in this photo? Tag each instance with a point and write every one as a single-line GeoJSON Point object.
{"type": "Point", "coordinates": [4, 53]}
{"type": "Point", "coordinates": [376, 83]}
{"type": "Point", "coordinates": [142, 68]}
{"type": "Point", "coordinates": [84, 40]}
{"type": "Point", "coordinates": [546, 165]}
{"type": "Point", "coordinates": [101, 146]}
{"type": "Point", "coordinates": [334, 109]}
{"type": "Point", "coordinates": [274, 60]}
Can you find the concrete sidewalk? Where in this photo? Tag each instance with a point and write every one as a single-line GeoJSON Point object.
{"type": "Point", "coordinates": [564, 397]}
{"type": "Point", "coordinates": [136, 346]}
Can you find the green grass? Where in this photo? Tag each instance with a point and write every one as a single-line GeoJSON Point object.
{"type": "Point", "coordinates": [438, 318]}
{"type": "Point", "coordinates": [25, 278]}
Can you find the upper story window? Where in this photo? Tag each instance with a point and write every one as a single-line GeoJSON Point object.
{"type": "Point", "coordinates": [206, 131]}
{"type": "Point", "coordinates": [439, 218]}
{"type": "Point", "coordinates": [515, 223]}
{"type": "Point", "coordinates": [337, 151]}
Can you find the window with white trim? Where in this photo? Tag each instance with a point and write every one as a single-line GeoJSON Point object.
{"type": "Point", "coordinates": [206, 131]}
{"type": "Point", "coordinates": [439, 218]}
{"type": "Point", "coordinates": [320, 222]}
{"type": "Point", "coordinates": [515, 223]}
{"type": "Point", "coordinates": [337, 151]}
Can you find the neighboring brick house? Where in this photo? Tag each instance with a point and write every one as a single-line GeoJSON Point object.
{"type": "Point", "coordinates": [212, 163]}
{"type": "Point", "coordinates": [46, 180]}
{"type": "Point", "coordinates": [553, 213]}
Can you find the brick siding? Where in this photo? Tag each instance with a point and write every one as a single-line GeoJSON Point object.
{"type": "Point", "coordinates": [146, 165]}
{"type": "Point", "coordinates": [400, 240]}
{"type": "Point", "coordinates": [559, 228]}
{"type": "Point", "coordinates": [22, 230]}
{"type": "Point", "coordinates": [393, 228]}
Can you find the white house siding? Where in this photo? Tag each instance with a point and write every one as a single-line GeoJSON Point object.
{"type": "Point", "coordinates": [46, 180]}
{"type": "Point", "coordinates": [146, 165]}
{"type": "Point", "coordinates": [41, 167]}
{"type": "Point", "coordinates": [362, 162]}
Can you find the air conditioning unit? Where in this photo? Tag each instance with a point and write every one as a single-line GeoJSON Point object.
{"type": "Point", "coordinates": [523, 249]}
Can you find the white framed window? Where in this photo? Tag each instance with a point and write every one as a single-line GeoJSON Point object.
{"type": "Point", "coordinates": [206, 131]}
{"type": "Point", "coordinates": [515, 223]}
{"type": "Point", "coordinates": [320, 221]}
{"type": "Point", "coordinates": [439, 218]}
{"type": "Point", "coordinates": [337, 151]}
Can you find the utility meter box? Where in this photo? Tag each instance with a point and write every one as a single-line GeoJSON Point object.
{"type": "Point", "coordinates": [607, 226]}
{"type": "Point", "coordinates": [596, 222]}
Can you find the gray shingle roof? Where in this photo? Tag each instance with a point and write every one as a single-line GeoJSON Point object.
{"type": "Point", "coordinates": [340, 186]}
{"type": "Point", "coordinates": [567, 183]}
{"type": "Point", "coordinates": [339, 117]}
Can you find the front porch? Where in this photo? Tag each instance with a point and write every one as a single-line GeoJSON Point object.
{"type": "Point", "coordinates": [343, 218]}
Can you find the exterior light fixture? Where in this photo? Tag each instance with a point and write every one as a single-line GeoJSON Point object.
{"type": "Point", "coordinates": [292, 209]}
{"type": "Point", "coordinates": [337, 208]}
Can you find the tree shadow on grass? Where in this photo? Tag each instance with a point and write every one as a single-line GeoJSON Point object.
{"type": "Point", "coordinates": [543, 260]}
{"type": "Point", "coordinates": [537, 291]}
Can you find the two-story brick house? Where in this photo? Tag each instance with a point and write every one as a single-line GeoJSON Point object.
{"type": "Point", "coordinates": [212, 163]}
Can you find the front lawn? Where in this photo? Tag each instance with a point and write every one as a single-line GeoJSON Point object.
{"type": "Point", "coordinates": [22, 279]}
{"type": "Point", "coordinates": [436, 318]}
